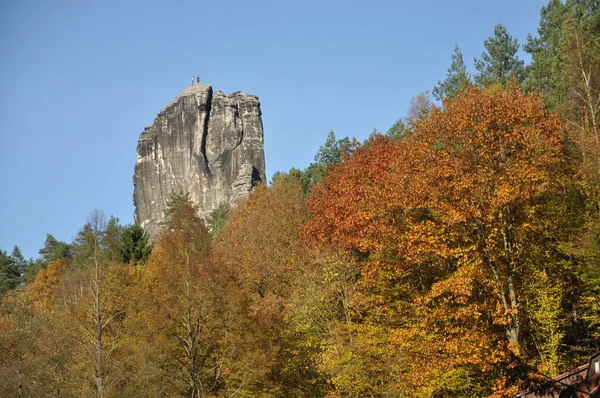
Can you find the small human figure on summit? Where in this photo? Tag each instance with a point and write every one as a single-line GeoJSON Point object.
{"type": "Point", "coordinates": [192, 80]}
{"type": "Point", "coordinates": [198, 79]}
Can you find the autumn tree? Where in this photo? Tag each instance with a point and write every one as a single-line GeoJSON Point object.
{"type": "Point", "coordinates": [42, 290]}
{"type": "Point", "coordinates": [518, 153]}
{"type": "Point", "coordinates": [182, 306]}
{"type": "Point", "coordinates": [273, 215]}
{"type": "Point", "coordinates": [419, 108]}
{"type": "Point", "coordinates": [565, 68]}
{"type": "Point", "coordinates": [261, 244]}
{"type": "Point", "coordinates": [92, 298]}
{"type": "Point", "coordinates": [346, 210]}
{"type": "Point", "coordinates": [32, 351]}
{"type": "Point", "coordinates": [53, 250]}
{"type": "Point", "coordinates": [457, 210]}
{"type": "Point", "coordinates": [35, 351]}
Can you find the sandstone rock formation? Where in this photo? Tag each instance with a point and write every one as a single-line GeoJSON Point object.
{"type": "Point", "coordinates": [209, 145]}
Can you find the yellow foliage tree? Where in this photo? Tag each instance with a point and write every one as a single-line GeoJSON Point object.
{"type": "Point", "coordinates": [446, 225]}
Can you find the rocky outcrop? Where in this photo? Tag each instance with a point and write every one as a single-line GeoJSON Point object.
{"type": "Point", "coordinates": [207, 144]}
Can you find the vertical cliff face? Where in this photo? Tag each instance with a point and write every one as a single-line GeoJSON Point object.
{"type": "Point", "coordinates": [207, 144]}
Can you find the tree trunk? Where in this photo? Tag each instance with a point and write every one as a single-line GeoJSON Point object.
{"type": "Point", "coordinates": [511, 305]}
{"type": "Point", "coordinates": [99, 330]}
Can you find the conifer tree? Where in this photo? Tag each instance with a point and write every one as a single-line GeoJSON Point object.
{"type": "Point", "coordinates": [500, 62]}
{"type": "Point", "coordinates": [456, 78]}
{"type": "Point", "coordinates": [11, 269]}
{"type": "Point", "coordinates": [398, 130]}
{"type": "Point", "coordinates": [134, 245]}
{"type": "Point", "coordinates": [554, 41]}
{"type": "Point", "coordinates": [330, 153]}
{"type": "Point", "coordinates": [53, 250]}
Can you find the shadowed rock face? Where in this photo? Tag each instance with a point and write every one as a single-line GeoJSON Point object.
{"type": "Point", "coordinates": [207, 144]}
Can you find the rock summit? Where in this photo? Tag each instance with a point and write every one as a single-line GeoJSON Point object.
{"type": "Point", "coordinates": [207, 144]}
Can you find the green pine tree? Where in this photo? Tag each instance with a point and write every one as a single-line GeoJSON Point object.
{"type": "Point", "coordinates": [398, 131]}
{"type": "Point", "coordinates": [134, 245]}
{"type": "Point", "coordinates": [551, 50]}
{"type": "Point", "coordinates": [53, 250]}
{"type": "Point", "coordinates": [175, 201]}
{"type": "Point", "coordinates": [11, 269]}
{"type": "Point", "coordinates": [330, 153]}
{"type": "Point", "coordinates": [500, 62]}
{"type": "Point", "coordinates": [217, 219]}
{"type": "Point", "coordinates": [456, 78]}
{"type": "Point", "coordinates": [98, 240]}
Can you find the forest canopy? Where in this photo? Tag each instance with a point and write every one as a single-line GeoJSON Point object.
{"type": "Point", "coordinates": [455, 255]}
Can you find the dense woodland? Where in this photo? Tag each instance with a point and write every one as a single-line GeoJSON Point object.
{"type": "Point", "coordinates": [456, 255]}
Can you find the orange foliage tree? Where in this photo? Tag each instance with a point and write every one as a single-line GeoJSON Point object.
{"type": "Point", "coordinates": [260, 244]}
{"type": "Point", "coordinates": [180, 306]}
{"type": "Point", "coordinates": [446, 225]}
{"type": "Point", "coordinates": [43, 288]}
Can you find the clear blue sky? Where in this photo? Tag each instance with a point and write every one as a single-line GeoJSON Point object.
{"type": "Point", "coordinates": [80, 80]}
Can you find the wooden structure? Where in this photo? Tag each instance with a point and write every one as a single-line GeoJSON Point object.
{"type": "Point", "coordinates": [580, 382]}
